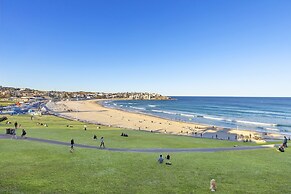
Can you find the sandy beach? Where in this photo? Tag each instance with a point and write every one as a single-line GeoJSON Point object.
{"type": "Point", "coordinates": [91, 111]}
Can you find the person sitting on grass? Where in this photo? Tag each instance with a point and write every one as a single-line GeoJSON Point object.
{"type": "Point", "coordinates": [95, 137]}
{"type": "Point", "coordinates": [168, 162]}
{"type": "Point", "coordinates": [23, 133]}
{"type": "Point", "coordinates": [281, 148]}
{"type": "Point", "coordinates": [161, 159]}
{"type": "Point", "coordinates": [124, 135]}
{"type": "Point", "coordinates": [213, 185]}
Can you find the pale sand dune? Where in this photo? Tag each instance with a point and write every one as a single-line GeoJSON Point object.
{"type": "Point", "coordinates": [93, 112]}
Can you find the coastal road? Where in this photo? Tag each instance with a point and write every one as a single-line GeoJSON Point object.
{"type": "Point", "coordinates": [142, 150]}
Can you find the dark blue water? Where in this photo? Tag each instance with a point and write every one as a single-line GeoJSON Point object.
{"type": "Point", "coordinates": [252, 113]}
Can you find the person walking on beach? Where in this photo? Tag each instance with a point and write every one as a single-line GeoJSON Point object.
{"type": "Point", "coordinates": [72, 145]}
{"type": "Point", "coordinates": [102, 142]}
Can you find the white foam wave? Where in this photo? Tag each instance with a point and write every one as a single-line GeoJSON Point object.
{"type": "Point", "coordinates": [187, 115]}
{"type": "Point", "coordinates": [166, 112]}
{"type": "Point", "coordinates": [171, 113]}
{"type": "Point", "coordinates": [214, 118]}
{"type": "Point", "coordinates": [150, 105]}
{"type": "Point", "coordinates": [137, 108]}
{"type": "Point", "coordinates": [272, 129]}
{"type": "Point", "coordinates": [255, 123]}
{"type": "Point", "coordinates": [259, 112]}
{"type": "Point", "coordinates": [157, 111]}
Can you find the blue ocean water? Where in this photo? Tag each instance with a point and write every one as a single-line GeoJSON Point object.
{"type": "Point", "coordinates": [248, 113]}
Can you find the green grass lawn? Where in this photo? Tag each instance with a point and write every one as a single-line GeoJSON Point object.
{"type": "Point", "coordinates": [57, 130]}
{"type": "Point", "coordinates": [6, 103]}
{"type": "Point", "coordinates": [33, 167]}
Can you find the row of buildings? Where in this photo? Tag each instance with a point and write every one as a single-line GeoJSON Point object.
{"type": "Point", "coordinates": [25, 94]}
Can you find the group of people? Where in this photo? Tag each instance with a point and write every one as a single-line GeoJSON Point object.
{"type": "Point", "coordinates": [13, 131]}
{"type": "Point", "coordinates": [124, 135]}
{"type": "Point", "coordinates": [161, 159]}
{"type": "Point", "coordinates": [42, 124]}
{"type": "Point", "coordinates": [102, 144]}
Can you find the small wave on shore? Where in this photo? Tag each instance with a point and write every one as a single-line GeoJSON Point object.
{"type": "Point", "coordinates": [255, 123]}
{"type": "Point", "coordinates": [137, 108]}
{"type": "Point", "coordinates": [165, 112]}
{"type": "Point", "coordinates": [152, 106]}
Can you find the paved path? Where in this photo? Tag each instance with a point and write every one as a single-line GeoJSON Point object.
{"type": "Point", "coordinates": [150, 150]}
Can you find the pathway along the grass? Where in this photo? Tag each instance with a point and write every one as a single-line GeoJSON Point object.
{"type": "Point", "coordinates": [152, 150]}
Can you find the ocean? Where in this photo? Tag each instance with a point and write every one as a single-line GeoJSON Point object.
{"type": "Point", "coordinates": [262, 114]}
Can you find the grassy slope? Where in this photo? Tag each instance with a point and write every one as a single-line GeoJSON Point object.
{"type": "Point", "coordinates": [6, 103]}
{"type": "Point", "coordinates": [57, 130]}
{"type": "Point", "coordinates": [31, 167]}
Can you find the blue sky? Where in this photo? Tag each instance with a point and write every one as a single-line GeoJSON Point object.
{"type": "Point", "coordinates": [205, 47]}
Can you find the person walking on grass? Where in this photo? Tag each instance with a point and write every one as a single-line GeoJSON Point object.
{"type": "Point", "coordinates": [102, 142]}
{"type": "Point", "coordinates": [72, 145]}
{"type": "Point", "coordinates": [14, 134]}
{"type": "Point", "coordinates": [285, 142]}
{"type": "Point", "coordinates": [23, 133]}
{"type": "Point", "coordinates": [15, 125]}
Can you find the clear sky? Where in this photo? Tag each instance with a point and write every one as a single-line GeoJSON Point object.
{"type": "Point", "coordinates": [173, 47]}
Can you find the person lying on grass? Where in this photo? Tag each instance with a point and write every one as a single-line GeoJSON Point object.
{"type": "Point", "coordinates": [281, 148]}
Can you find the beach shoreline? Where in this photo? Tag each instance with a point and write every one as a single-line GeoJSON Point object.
{"type": "Point", "coordinates": [93, 111]}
